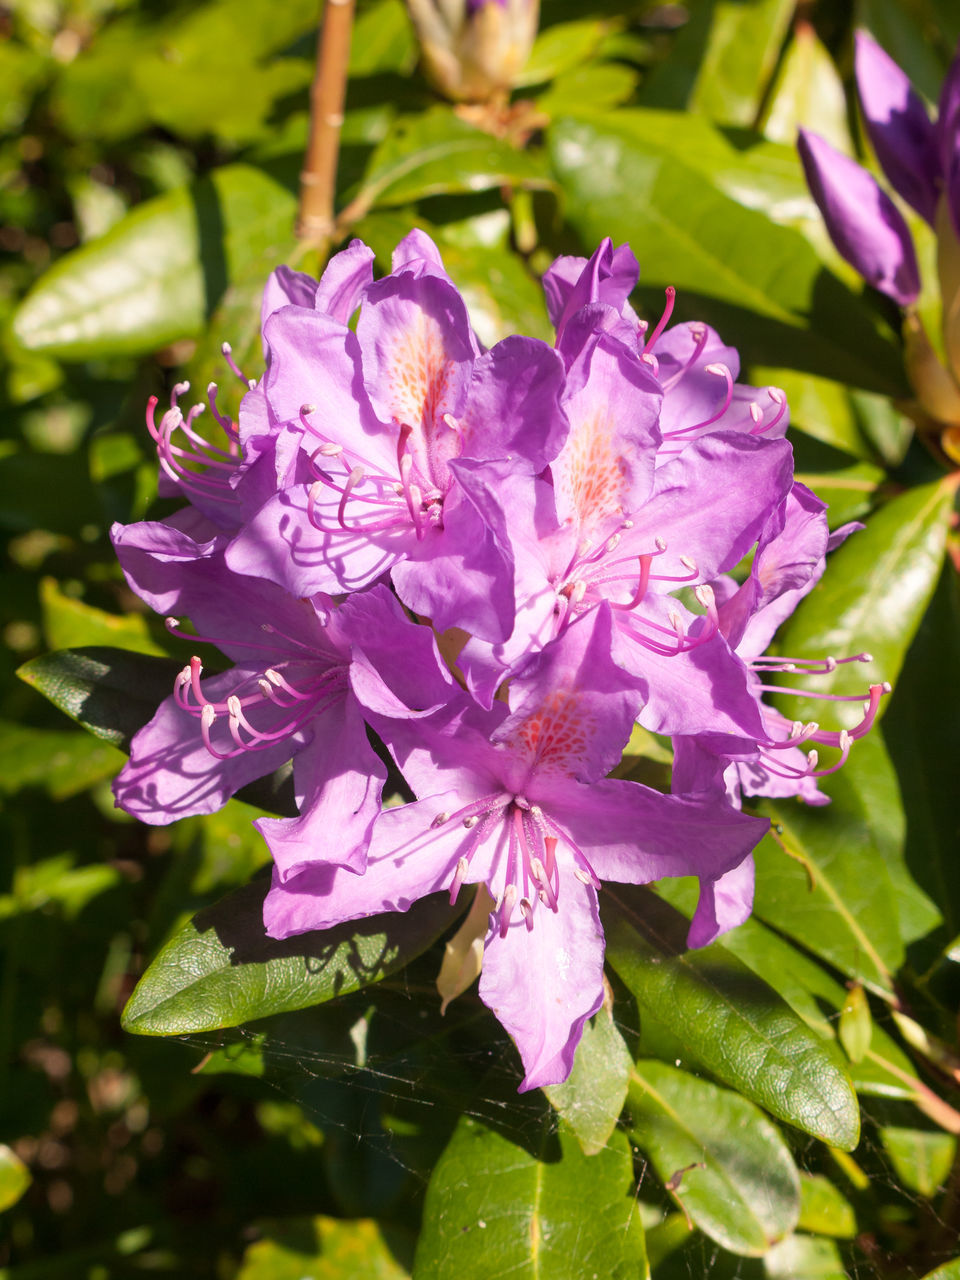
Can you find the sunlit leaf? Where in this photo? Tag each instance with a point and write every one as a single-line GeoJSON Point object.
{"type": "Point", "coordinates": [922, 1158]}
{"type": "Point", "coordinates": [542, 1210]}
{"type": "Point", "coordinates": [155, 275]}
{"type": "Point", "coordinates": [591, 1098]}
{"type": "Point", "coordinates": [824, 1210]}
{"type": "Point", "coordinates": [727, 1019]}
{"type": "Point", "coordinates": [14, 1177]}
{"type": "Point", "coordinates": [221, 969]}
{"type": "Point", "coordinates": [722, 1159]}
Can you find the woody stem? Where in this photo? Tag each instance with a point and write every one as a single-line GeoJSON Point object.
{"type": "Point", "coordinates": [327, 95]}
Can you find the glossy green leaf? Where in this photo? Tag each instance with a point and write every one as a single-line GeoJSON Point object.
{"type": "Point", "coordinates": [805, 1258]}
{"type": "Point", "coordinates": [721, 1158]}
{"type": "Point", "coordinates": [591, 1098]}
{"type": "Point", "coordinates": [922, 732]}
{"type": "Point", "coordinates": [808, 91]}
{"type": "Point", "coordinates": [153, 277]}
{"type": "Point", "coordinates": [729, 1020]}
{"type": "Point", "coordinates": [849, 493]}
{"type": "Point", "coordinates": [540, 1211]}
{"type": "Point", "coordinates": [382, 40]}
{"type": "Point", "coordinates": [14, 1177]}
{"type": "Point", "coordinates": [731, 265]}
{"type": "Point", "coordinates": [111, 692]}
{"type": "Point", "coordinates": [221, 969]}
{"type": "Point", "coordinates": [872, 598]}
{"type": "Point", "coordinates": [323, 1249]}
{"type": "Point", "coordinates": [824, 1210]}
{"type": "Point", "coordinates": [814, 994]}
{"type": "Point", "coordinates": [821, 882]}
{"type": "Point", "coordinates": [437, 153]}
{"type": "Point", "coordinates": [921, 1158]}
{"type": "Point", "coordinates": [69, 623]}
{"type": "Point", "coordinates": [741, 53]}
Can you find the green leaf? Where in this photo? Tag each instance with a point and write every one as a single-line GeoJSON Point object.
{"type": "Point", "coordinates": [824, 1210]}
{"type": "Point", "coordinates": [740, 56]}
{"type": "Point", "coordinates": [872, 597]}
{"type": "Point", "coordinates": [922, 732]}
{"type": "Point", "coordinates": [725, 1163]}
{"type": "Point", "coordinates": [856, 1025]}
{"type": "Point", "coordinates": [808, 92]}
{"type": "Point", "coordinates": [221, 969]}
{"type": "Point", "coordinates": [805, 1258]}
{"type": "Point", "coordinates": [820, 882]}
{"type": "Point", "coordinates": [437, 153]}
{"type": "Point", "coordinates": [153, 278]}
{"type": "Point", "coordinates": [591, 1098]}
{"type": "Point", "coordinates": [69, 623]}
{"type": "Point", "coordinates": [732, 266]}
{"type": "Point", "coordinates": [812, 993]}
{"type": "Point", "coordinates": [821, 408]}
{"type": "Point", "coordinates": [323, 1249]}
{"type": "Point", "coordinates": [382, 40]}
{"type": "Point", "coordinates": [64, 762]}
{"type": "Point", "coordinates": [111, 692]}
{"type": "Point", "coordinates": [729, 1020]}
{"type": "Point", "coordinates": [14, 1177]}
{"type": "Point", "coordinates": [544, 1211]}
{"type": "Point", "coordinates": [57, 882]}
{"type": "Point", "coordinates": [921, 1158]}
{"type": "Point", "coordinates": [563, 47]}
{"type": "Point", "coordinates": [849, 492]}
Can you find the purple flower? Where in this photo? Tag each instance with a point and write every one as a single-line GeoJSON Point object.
{"type": "Point", "coordinates": [390, 444]}
{"type": "Point", "coordinates": [512, 798]}
{"type": "Point", "coordinates": [789, 562]}
{"type": "Point", "coordinates": [865, 225]}
{"type": "Point", "coordinates": [288, 696]}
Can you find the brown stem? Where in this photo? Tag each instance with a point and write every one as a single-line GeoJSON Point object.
{"type": "Point", "coordinates": [327, 95]}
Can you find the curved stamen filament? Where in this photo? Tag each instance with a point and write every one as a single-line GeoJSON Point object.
{"type": "Point", "coordinates": [780, 400]}
{"type": "Point", "coordinates": [719, 371]}
{"type": "Point", "coordinates": [670, 295]}
{"type": "Point", "coordinates": [699, 335]}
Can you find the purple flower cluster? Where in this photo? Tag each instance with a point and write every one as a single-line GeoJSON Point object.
{"type": "Point", "coordinates": [499, 561]}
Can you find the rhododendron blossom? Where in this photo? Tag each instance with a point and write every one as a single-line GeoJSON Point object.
{"type": "Point", "coordinates": [562, 524]}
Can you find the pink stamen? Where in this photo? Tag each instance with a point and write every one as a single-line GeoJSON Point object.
{"type": "Point", "coordinates": [700, 340]}
{"type": "Point", "coordinates": [719, 371]}
{"type": "Point", "coordinates": [671, 295]}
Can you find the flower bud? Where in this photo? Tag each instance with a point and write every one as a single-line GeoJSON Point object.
{"type": "Point", "coordinates": [864, 223]}
{"type": "Point", "coordinates": [473, 50]}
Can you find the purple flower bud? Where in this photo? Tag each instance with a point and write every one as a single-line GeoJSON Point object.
{"type": "Point", "coordinates": [903, 136]}
{"type": "Point", "coordinates": [864, 223]}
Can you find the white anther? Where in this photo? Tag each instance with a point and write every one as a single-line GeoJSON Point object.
{"type": "Point", "coordinates": [704, 594]}
{"type": "Point", "coordinates": [526, 906]}
{"type": "Point", "coordinates": [718, 370]}
{"type": "Point", "coordinates": [538, 870]}
{"type": "Point", "coordinates": [776, 395]}
{"type": "Point", "coordinates": [542, 895]}
{"type": "Point", "coordinates": [170, 623]}
{"type": "Point", "coordinates": [845, 740]}
{"type": "Point", "coordinates": [660, 544]}
{"type": "Point", "coordinates": [628, 524]}
{"type": "Point", "coordinates": [865, 657]}
{"type": "Point", "coordinates": [613, 542]}
{"type": "Point", "coordinates": [536, 812]}
{"type": "Point", "coordinates": [756, 413]}
{"type": "Point", "coordinates": [578, 591]}
{"type": "Point", "coordinates": [226, 348]}
{"type": "Point", "coordinates": [266, 688]}
{"type": "Point", "coordinates": [688, 563]}
{"type": "Point", "coordinates": [440, 819]}
{"type": "Point", "coordinates": [829, 664]}
{"type": "Point", "coordinates": [307, 409]}
{"type": "Point", "coordinates": [813, 759]}
{"type": "Point", "coordinates": [274, 676]}
{"type": "Point", "coordinates": [471, 821]}
{"type": "Point", "coordinates": [676, 621]}
{"type": "Point", "coordinates": [208, 714]}
{"type": "Point", "coordinates": [330, 450]}
{"type": "Point", "coordinates": [583, 876]}
{"type": "Point", "coordinates": [887, 687]}
{"type": "Point", "coordinates": [234, 708]}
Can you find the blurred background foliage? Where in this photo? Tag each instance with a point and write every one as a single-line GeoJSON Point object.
{"type": "Point", "coordinates": [149, 156]}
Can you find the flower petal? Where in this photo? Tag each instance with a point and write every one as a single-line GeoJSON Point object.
{"type": "Point", "coordinates": [544, 981]}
